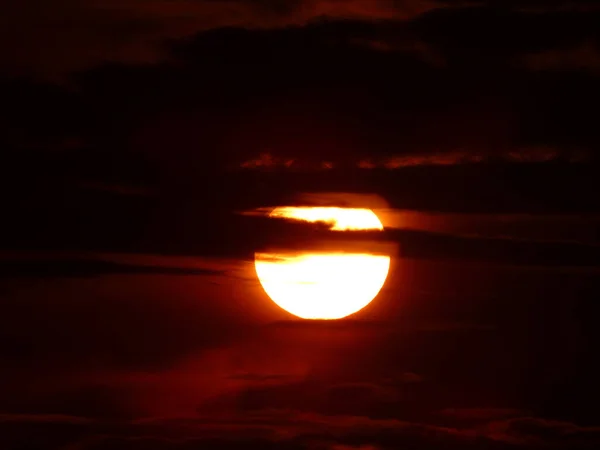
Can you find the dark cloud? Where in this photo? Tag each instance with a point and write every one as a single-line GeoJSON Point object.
{"type": "Point", "coordinates": [531, 430]}
{"type": "Point", "coordinates": [480, 414]}
{"type": "Point", "coordinates": [442, 88]}
{"type": "Point", "coordinates": [294, 429]}
{"type": "Point", "coordinates": [87, 268]}
{"type": "Point", "coordinates": [584, 57]}
{"type": "Point", "coordinates": [530, 5]}
{"type": "Point", "coordinates": [327, 103]}
{"type": "Point", "coordinates": [132, 31]}
{"type": "Point", "coordinates": [478, 37]}
{"type": "Point", "coordinates": [50, 42]}
{"type": "Point", "coordinates": [415, 235]}
{"type": "Point", "coordinates": [177, 362]}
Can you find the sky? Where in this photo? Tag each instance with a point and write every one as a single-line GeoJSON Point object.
{"type": "Point", "coordinates": [78, 35]}
{"type": "Point", "coordinates": [365, 84]}
{"type": "Point", "coordinates": [143, 145]}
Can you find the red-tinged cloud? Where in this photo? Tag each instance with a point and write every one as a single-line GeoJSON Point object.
{"type": "Point", "coordinates": [285, 428]}
{"type": "Point", "coordinates": [450, 158]}
{"type": "Point", "coordinates": [280, 388]}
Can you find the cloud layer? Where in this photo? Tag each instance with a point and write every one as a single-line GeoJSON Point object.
{"type": "Point", "coordinates": [72, 35]}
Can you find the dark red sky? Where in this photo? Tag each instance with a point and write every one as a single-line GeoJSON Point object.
{"type": "Point", "coordinates": [135, 133]}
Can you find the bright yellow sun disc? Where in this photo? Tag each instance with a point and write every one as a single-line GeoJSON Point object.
{"type": "Point", "coordinates": [324, 285]}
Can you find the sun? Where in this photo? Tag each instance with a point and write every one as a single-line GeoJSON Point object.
{"type": "Point", "coordinates": [313, 285]}
{"type": "Point", "coordinates": [341, 219]}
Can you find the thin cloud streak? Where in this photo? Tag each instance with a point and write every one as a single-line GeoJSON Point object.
{"type": "Point", "coordinates": [525, 155]}
{"type": "Point", "coordinates": [300, 429]}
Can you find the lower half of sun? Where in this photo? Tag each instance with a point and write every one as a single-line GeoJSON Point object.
{"type": "Point", "coordinates": [322, 285]}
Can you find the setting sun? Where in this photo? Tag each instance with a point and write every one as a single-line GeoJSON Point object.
{"type": "Point", "coordinates": [314, 285]}
{"type": "Point", "coordinates": [342, 219]}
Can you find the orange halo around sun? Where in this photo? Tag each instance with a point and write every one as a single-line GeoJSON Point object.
{"type": "Point", "coordinates": [315, 285]}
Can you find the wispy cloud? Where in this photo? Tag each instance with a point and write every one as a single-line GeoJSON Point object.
{"type": "Point", "coordinates": [288, 428]}
{"type": "Point", "coordinates": [88, 268]}
{"type": "Point", "coordinates": [584, 57]}
{"type": "Point", "coordinates": [538, 154]}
